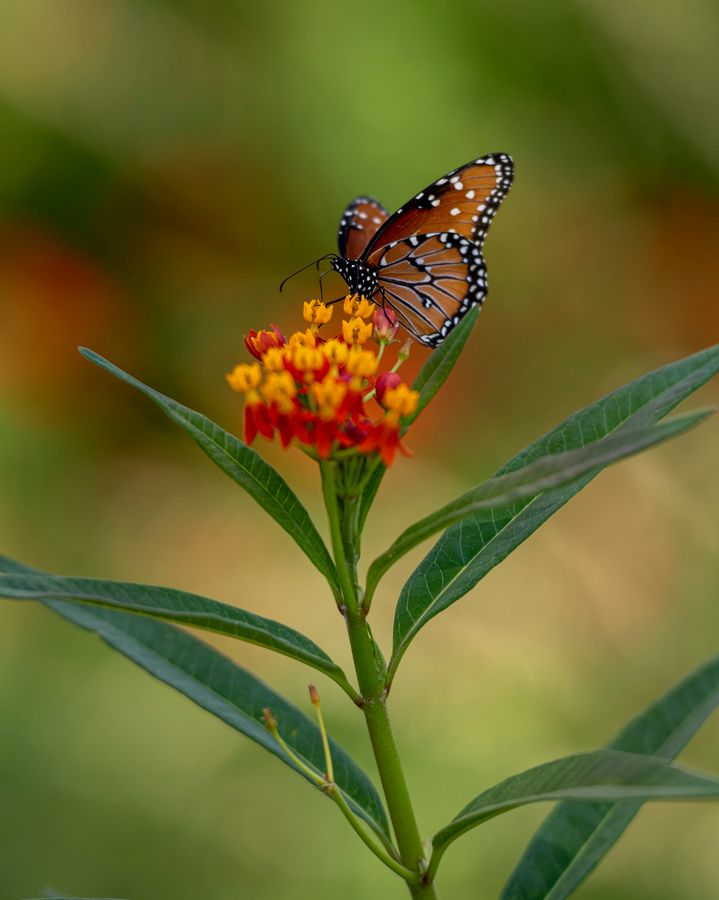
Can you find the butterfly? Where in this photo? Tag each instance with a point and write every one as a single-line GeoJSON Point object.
{"type": "Point", "coordinates": [425, 261]}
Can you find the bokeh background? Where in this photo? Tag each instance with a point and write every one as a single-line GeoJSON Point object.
{"type": "Point", "coordinates": [162, 166]}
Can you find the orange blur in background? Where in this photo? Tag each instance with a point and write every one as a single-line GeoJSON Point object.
{"type": "Point", "coordinates": [162, 167]}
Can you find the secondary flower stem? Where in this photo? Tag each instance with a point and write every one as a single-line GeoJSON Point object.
{"type": "Point", "coordinates": [378, 851]}
{"type": "Point", "coordinates": [371, 673]}
{"type": "Point", "coordinates": [327, 786]}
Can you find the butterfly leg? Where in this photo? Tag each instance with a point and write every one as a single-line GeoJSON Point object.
{"type": "Point", "coordinates": [322, 275]}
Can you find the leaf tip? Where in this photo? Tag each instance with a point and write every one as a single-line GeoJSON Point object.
{"type": "Point", "coordinates": [90, 355]}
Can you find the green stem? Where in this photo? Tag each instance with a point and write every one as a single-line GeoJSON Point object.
{"type": "Point", "coordinates": [344, 575]}
{"type": "Point", "coordinates": [371, 674]}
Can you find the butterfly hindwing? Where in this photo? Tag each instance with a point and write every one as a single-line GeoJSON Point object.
{"type": "Point", "coordinates": [431, 281]}
{"type": "Point", "coordinates": [358, 225]}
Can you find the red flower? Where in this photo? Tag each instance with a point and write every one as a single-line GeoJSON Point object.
{"type": "Point", "coordinates": [385, 439]}
{"type": "Point", "coordinates": [257, 418]}
{"type": "Point", "coordinates": [259, 342]}
{"type": "Point", "coordinates": [314, 389]}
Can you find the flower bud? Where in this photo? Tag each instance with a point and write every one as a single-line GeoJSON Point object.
{"type": "Point", "coordinates": [385, 382]}
{"type": "Point", "coordinates": [385, 323]}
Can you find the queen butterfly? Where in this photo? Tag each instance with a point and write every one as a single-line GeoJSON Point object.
{"type": "Point", "coordinates": [425, 261]}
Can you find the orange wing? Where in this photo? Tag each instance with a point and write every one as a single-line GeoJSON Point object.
{"type": "Point", "coordinates": [358, 225]}
{"type": "Point", "coordinates": [463, 202]}
{"type": "Point", "coordinates": [431, 281]}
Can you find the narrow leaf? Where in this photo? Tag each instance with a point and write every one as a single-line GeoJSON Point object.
{"type": "Point", "coordinates": [175, 606]}
{"type": "Point", "coordinates": [225, 689]}
{"type": "Point", "coordinates": [543, 474]}
{"type": "Point", "coordinates": [369, 493]}
{"type": "Point", "coordinates": [575, 837]}
{"type": "Point", "coordinates": [604, 775]}
{"type": "Point", "coordinates": [429, 380]}
{"type": "Point", "coordinates": [243, 465]}
{"type": "Point", "coordinates": [471, 548]}
{"type": "Point", "coordinates": [440, 363]}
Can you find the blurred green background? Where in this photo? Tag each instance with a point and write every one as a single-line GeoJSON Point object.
{"type": "Point", "coordinates": [162, 166]}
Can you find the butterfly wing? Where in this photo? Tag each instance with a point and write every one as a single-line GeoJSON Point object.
{"type": "Point", "coordinates": [463, 202]}
{"type": "Point", "coordinates": [358, 225]}
{"type": "Point", "coordinates": [431, 281]}
{"type": "Point", "coordinates": [428, 255]}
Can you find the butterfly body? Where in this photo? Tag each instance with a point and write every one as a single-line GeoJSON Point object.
{"type": "Point", "coordinates": [425, 261]}
{"type": "Point", "coordinates": [359, 277]}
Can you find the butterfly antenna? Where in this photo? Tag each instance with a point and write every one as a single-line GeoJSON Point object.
{"type": "Point", "coordinates": [315, 262]}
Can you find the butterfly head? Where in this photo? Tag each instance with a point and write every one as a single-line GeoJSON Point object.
{"type": "Point", "coordinates": [359, 277]}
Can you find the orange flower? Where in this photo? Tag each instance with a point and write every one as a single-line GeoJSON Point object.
{"type": "Point", "coordinates": [315, 391]}
{"type": "Point", "coordinates": [328, 395]}
{"type": "Point", "coordinates": [356, 331]}
{"type": "Point", "coordinates": [316, 313]}
{"type": "Point", "coordinates": [358, 307]}
{"type": "Point", "coordinates": [245, 379]}
{"type": "Point", "coordinates": [399, 401]}
{"type": "Point", "coordinates": [279, 389]}
{"type": "Point", "coordinates": [336, 352]}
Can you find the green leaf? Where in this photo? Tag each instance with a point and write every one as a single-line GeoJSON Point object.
{"type": "Point", "coordinates": [244, 466]}
{"type": "Point", "coordinates": [369, 492]}
{"type": "Point", "coordinates": [576, 836]}
{"type": "Point", "coordinates": [471, 548]}
{"type": "Point", "coordinates": [543, 474]}
{"type": "Point", "coordinates": [604, 775]}
{"type": "Point", "coordinates": [226, 690]}
{"type": "Point", "coordinates": [175, 606]}
{"type": "Point", "coordinates": [440, 363]}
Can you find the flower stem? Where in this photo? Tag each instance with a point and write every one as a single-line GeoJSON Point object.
{"type": "Point", "coordinates": [371, 676]}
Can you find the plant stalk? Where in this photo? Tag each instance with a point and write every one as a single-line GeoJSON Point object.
{"type": "Point", "coordinates": [371, 677]}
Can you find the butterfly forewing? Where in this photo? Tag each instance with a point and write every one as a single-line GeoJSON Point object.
{"type": "Point", "coordinates": [462, 202]}
{"type": "Point", "coordinates": [359, 224]}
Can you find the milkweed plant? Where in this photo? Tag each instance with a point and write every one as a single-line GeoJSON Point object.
{"type": "Point", "coordinates": [330, 392]}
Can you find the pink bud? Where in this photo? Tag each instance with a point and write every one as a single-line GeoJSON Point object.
{"type": "Point", "coordinates": [385, 323]}
{"type": "Point", "coordinates": [385, 382]}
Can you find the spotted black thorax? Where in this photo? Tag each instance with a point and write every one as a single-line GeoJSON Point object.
{"type": "Point", "coordinates": [360, 278]}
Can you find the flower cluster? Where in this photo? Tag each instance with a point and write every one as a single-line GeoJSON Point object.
{"type": "Point", "coordinates": [316, 389]}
